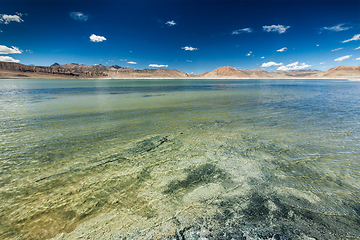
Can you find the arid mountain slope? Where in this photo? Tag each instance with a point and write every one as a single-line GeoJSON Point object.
{"type": "Point", "coordinates": [74, 70]}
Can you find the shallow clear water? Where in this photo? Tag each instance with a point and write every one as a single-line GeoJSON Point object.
{"type": "Point", "coordinates": [179, 159]}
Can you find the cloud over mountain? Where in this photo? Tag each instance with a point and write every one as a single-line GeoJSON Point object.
{"type": "Point", "coordinates": [354, 38]}
{"type": "Point", "coordinates": [187, 48]}
{"type": "Point", "coordinates": [6, 19]}
{"type": "Point", "coordinates": [244, 30]}
{"type": "Point", "coordinates": [269, 64]}
{"type": "Point", "coordinates": [340, 59]}
{"type": "Point", "coordinates": [6, 50]}
{"type": "Point", "coordinates": [8, 59]}
{"type": "Point", "coordinates": [95, 38]}
{"type": "Point", "coordinates": [79, 16]}
{"type": "Point", "coordinates": [157, 65]}
{"type": "Point", "coordinates": [294, 66]}
{"type": "Point", "coordinates": [276, 28]}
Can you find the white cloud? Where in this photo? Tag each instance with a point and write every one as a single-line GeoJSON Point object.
{"type": "Point", "coordinates": [95, 38]}
{"type": "Point", "coordinates": [171, 23]}
{"type": "Point", "coordinates": [337, 28]}
{"type": "Point", "coordinates": [188, 60]}
{"type": "Point", "coordinates": [282, 49]}
{"type": "Point", "coordinates": [262, 57]}
{"type": "Point", "coordinates": [276, 28]}
{"type": "Point", "coordinates": [357, 48]}
{"type": "Point", "coordinates": [317, 45]}
{"type": "Point", "coordinates": [354, 38]}
{"type": "Point", "coordinates": [157, 65]}
{"type": "Point", "coordinates": [246, 30]}
{"type": "Point", "coordinates": [187, 48]}
{"type": "Point", "coordinates": [322, 63]}
{"type": "Point", "coordinates": [342, 58]}
{"type": "Point", "coordinates": [8, 59]}
{"type": "Point", "coordinates": [6, 19]}
{"type": "Point", "coordinates": [293, 66]}
{"type": "Point", "coordinates": [132, 62]}
{"type": "Point", "coordinates": [269, 64]}
{"type": "Point", "coordinates": [357, 58]}
{"type": "Point", "coordinates": [6, 50]}
{"type": "Point", "coordinates": [249, 54]}
{"type": "Point", "coordinates": [337, 49]}
{"type": "Point", "coordinates": [79, 16]}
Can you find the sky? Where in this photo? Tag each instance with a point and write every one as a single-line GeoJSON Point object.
{"type": "Point", "coordinates": [191, 36]}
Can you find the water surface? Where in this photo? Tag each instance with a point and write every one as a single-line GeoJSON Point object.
{"type": "Point", "coordinates": [179, 159]}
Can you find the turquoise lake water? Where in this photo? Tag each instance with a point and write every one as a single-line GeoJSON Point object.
{"type": "Point", "coordinates": [179, 159]}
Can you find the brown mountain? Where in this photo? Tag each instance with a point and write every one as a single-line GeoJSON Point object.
{"type": "Point", "coordinates": [340, 72]}
{"type": "Point", "coordinates": [75, 70]}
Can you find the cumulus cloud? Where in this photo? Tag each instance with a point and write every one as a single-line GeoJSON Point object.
{"type": "Point", "coordinates": [269, 64]}
{"type": "Point", "coordinates": [95, 38]}
{"type": "Point", "coordinates": [337, 28]}
{"type": "Point", "coordinates": [8, 59]}
{"type": "Point", "coordinates": [6, 19]}
{"type": "Point", "coordinates": [187, 48]}
{"type": "Point", "coordinates": [337, 49]}
{"type": "Point", "coordinates": [276, 28]}
{"type": "Point", "coordinates": [282, 49]}
{"type": "Point", "coordinates": [79, 16]}
{"type": "Point", "coordinates": [293, 66]}
{"type": "Point", "coordinates": [342, 58]}
{"type": "Point", "coordinates": [244, 30]}
{"type": "Point", "coordinates": [171, 23]}
{"type": "Point", "coordinates": [6, 50]}
{"type": "Point", "coordinates": [132, 62]}
{"type": "Point", "coordinates": [157, 65]}
{"type": "Point", "coordinates": [249, 53]}
{"type": "Point", "coordinates": [354, 38]}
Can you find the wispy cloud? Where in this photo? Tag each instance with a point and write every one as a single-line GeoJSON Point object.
{"type": "Point", "coordinates": [6, 19]}
{"type": "Point", "coordinates": [357, 58]}
{"type": "Point", "coordinates": [294, 66]}
{"type": "Point", "coordinates": [342, 58]}
{"type": "Point", "coordinates": [187, 48]}
{"type": "Point", "coordinates": [79, 16]}
{"type": "Point", "coordinates": [357, 48]}
{"type": "Point", "coordinates": [157, 65]}
{"type": "Point", "coordinates": [337, 49]}
{"type": "Point", "coordinates": [269, 64]}
{"type": "Point", "coordinates": [337, 28]}
{"type": "Point", "coordinates": [354, 38]}
{"type": "Point", "coordinates": [6, 50]}
{"type": "Point", "coordinates": [282, 49]}
{"type": "Point", "coordinates": [8, 59]}
{"type": "Point", "coordinates": [132, 62]}
{"type": "Point", "coordinates": [95, 38]}
{"type": "Point", "coordinates": [188, 60]}
{"type": "Point", "coordinates": [249, 53]}
{"type": "Point", "coordinates": [322, 63]}
{"type": "Point", "coordinates": [171, 23]}
{"type": "Point", "coordinates": [276, 28]}
{"type": "Point", "coordinates": [244, 30]}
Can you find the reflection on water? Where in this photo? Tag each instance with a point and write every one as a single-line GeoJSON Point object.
{"type": "Point", "coordinates": [179, 159]}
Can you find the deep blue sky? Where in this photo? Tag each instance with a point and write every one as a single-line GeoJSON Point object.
{"type": "Point", "coordinates": [315, 33]}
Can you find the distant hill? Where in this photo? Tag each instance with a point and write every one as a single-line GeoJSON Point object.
{"type": "Point", "coordinates": [76, 70]}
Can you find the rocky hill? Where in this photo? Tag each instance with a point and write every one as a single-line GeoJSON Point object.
{"type": "Point", "coordinates": [75, 70]}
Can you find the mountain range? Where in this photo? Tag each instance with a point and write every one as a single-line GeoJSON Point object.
{"type": "Point", "coordinates": [76, 70]}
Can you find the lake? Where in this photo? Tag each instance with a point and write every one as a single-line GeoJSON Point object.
{"type": "Point", "coordinates": [179, 159]}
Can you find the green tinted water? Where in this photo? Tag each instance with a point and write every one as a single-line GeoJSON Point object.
{"type": "Point", "coordinates": [179, 159]}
